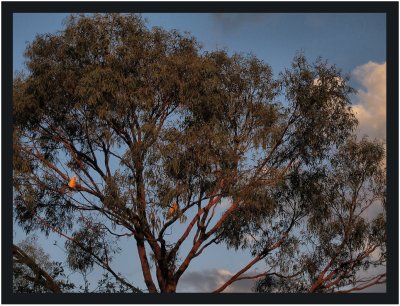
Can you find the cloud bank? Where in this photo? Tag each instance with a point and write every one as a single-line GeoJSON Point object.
{"type": "Point", "coordinates": [209, 280]}
{"type": "Point", "coordinates": [370, 107]}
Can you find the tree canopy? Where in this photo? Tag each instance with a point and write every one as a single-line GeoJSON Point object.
{"type": "Point", "coordinates": [158, 131]}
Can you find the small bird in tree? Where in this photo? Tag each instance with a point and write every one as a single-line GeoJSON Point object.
{"type": "Point", "coordinates": [71, 185]}
{"type": "Point", "coordinates": [172, 210]}
{"type": "Point", "coordinates": [72, 182]}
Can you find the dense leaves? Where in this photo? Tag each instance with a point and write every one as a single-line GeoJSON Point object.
{"type": "Point", "coordinates": [344, 232]}
{"type": "Point", "coordinates": [148, 122]}
{"type": "Point", "coordinates": [34, 272]}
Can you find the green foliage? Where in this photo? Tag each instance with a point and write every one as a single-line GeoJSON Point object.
{"type": "Point", "coordinates": [87, 246]}
{"type": "Point", "coordinates": [107, 284]}
{"type": "Point", "coordinates": [276, 284]}
{"type": "Point", "coordinates": [27, 280]}
{"type": "Point", "coordinates": [343, 233]}
{"type": "Point", "coordinates": [145, 119]}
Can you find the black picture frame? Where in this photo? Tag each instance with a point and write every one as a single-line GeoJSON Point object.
{"type": "Point", "coordinates": [391, 11]}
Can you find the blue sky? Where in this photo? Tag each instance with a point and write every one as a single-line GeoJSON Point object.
{"type": "Point", "coordinates": [348, 40]}
{"type": "Point", "coordinates": [356, 43]}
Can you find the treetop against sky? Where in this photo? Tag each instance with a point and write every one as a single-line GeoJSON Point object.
{"type": "Point", "coordinates": [180, 150]}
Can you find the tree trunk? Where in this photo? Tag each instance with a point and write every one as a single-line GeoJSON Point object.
{"type": "Point", "coordinates": [166, 281]}
{"type": "Point", "coordinates": [170, 287]}
{"type": "Point", "coordinates": [145, 266]}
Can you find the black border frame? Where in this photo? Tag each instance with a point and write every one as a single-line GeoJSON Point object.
{"type": "Point", "coordinates": [392, 33]}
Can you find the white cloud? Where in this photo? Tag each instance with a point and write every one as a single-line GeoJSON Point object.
{"type": "Point", "coordinates": [210, 280]}
{"type": "Point", "coordinates": [381, 288]}
{"type": "Point", "coordinates": [370, 110]}
{"type": "Point", "coordinates": [335, 81]}
{"type": "Point", "coordinates": [226, 202]}
{"type": "Point", "coordinates": [370, 107]}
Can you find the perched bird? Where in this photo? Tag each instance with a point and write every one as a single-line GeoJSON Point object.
{"type": "Point", "coordinates": [172, 210]}
{"type": "Point", "coordinates": [72, 182]}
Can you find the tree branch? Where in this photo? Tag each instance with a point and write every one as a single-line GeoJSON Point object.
{"type": "Point", "coordinates": [252, 263]}
{"type": "Point", "coordinates": [24, 258]}
{"type": "Point", "coordinates": [376, 280]}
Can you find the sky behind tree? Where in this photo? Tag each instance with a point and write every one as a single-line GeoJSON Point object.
{"type": "Point", "coordinates": [356, 43]}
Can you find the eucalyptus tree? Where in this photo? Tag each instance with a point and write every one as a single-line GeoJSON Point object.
{"type": "Point", "coordinates": [341, 244]}
{"type": "Point", "coordinates": [34, 272]}
{"type": "Point", "coordinates": [159, 132]}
